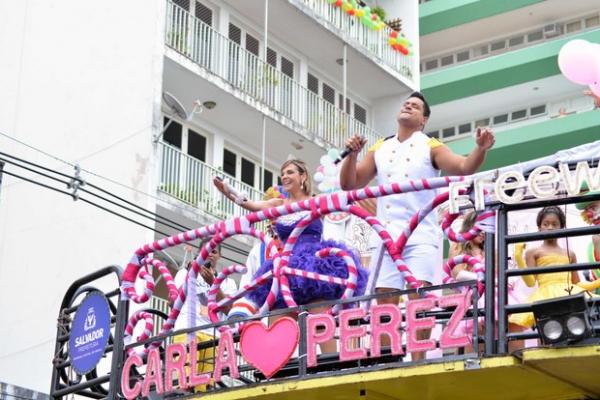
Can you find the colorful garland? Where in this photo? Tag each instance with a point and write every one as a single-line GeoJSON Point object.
{"type": "Point", "coordinates": [400, 43]}
{"type": "Point", "coordinates": [368, 18]}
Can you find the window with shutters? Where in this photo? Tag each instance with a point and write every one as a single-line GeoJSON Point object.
{"type": "Point", "coordinates": [313, 83]}
{"type": "Point", "coordinates": [329, 93]}
{"type": "Point", "coordinates": [272, 57]}
{"type": "Point", "coordinates": [287, 67]}
{"type": "Point", "coordinates": [252, 44]}
{"type": "Point", "coordinates": [235, 33]}
{"type": "Point", "coordinates": [185, 4]}
{"type": "Point", "coordinates": [203, 13]}
{"type": "Point", "coordinates": [360, 113]}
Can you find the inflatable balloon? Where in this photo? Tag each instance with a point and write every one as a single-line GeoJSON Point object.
{"type": "Point", "coordinates": [579, 63]}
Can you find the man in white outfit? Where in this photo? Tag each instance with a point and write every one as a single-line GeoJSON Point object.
{"type": "Point", "coordinates": [409, 154]}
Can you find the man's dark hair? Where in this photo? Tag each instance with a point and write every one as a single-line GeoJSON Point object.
{"type": "Point", "coordinates": [426, 108]}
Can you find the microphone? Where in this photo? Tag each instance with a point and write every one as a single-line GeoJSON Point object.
{"type": "Point", "coordinates": [346, 152]}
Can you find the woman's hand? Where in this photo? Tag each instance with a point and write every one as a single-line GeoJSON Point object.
{"type": "Point", "coordinates": [220, 185]}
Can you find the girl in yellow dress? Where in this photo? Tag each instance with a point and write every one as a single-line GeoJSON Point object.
{"type": "Point", "coordinates": [550, 285]}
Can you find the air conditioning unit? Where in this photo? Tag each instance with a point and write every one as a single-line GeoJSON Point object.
{"type": "Point", "coordinates": [552, 30]}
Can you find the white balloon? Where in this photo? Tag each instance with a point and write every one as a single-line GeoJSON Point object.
{"type": "Point", "coordinates": [322, 187]}
{"type": "Point", "coordinates": [330, 170]}
{"type": "Point", "coordinates": [319, 177]}
{"type": "Point", "coordinates": [325, 160]}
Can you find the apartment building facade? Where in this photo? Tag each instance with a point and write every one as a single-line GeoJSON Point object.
{"type": "Point", "coordinates": [152, 100]}
{"type": "Point", "coordinates": [494, 63]}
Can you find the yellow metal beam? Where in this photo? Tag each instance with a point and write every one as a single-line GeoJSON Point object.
{"type": "Point", "coordinates": [569, 373]}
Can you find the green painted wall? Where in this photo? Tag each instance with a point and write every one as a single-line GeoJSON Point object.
{"type": "Point", "coordinates": [538, 140]}
{"type": "Point", "coordinates": [438, 15]}
{"type": "Point", "coordinates": [513, 68]}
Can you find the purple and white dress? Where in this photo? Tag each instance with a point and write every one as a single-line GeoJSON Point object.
{"type": "Point", "coordinates": [303, 257]}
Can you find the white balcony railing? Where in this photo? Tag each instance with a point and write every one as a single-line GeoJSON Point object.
{"type": "Point", "coordinates": [375, 42]}
{"type": "Point", "coordinates": [263, 82]}
{"type": "Point", "coordinates": [190, 180]}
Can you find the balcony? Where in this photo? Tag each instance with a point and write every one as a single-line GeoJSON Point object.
{"type": "Point", "coordinates": [495, 73]}
{"type": "Point", "coordinates": [257, 83]}
{"type": "Point", "coordinates": [189, 180]}
{"type": "Point", "coordinates": [536, 140]}
{"type": "Point", "coordinates": [375, 43]}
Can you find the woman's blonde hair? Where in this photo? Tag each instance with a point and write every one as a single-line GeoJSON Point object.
{"type": "Point", "coordinates": [468, 222]}
{"type": "Point", "coordinates": [302, 169]}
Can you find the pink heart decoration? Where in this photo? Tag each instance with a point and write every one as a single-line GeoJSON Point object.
{"type": "Point", "coordinates": [269, 349]}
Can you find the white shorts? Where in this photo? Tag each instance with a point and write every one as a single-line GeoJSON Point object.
{"type": "Point", "coordinates": [421, 259]}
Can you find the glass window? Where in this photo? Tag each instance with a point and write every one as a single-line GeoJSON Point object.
{"type": "Point", "coordinates": [448, 132]}
{"type": "Point", "coordinates": [482, 122]}
{"type": "Point", "coordinates": [500, 119]}
{"type": "Point", "coordinates": [574, 26]}
{"type": "Point", "coordinates": [463, 56]}
{"type": "Point", "coordinates": [431, 64]}
{"type": "Point", "coordinates": [464, 128]}
{"type": "Point", "coordinates": [247, 172]}
{"type": "Point", "coordinates": [538, 110]}
{"type": "Point", "coordinates": [196, 145]}
{"type": "Point", "coordinates": [267, 180]}
{"type": "Point", "coordinates": [229, 162]}
{"type": "Point", "coordinates": [481, 51]}
{"type": "Point", "coordinates": [173, 133]}
{"type": "Point", "coordinates": [448, 60]}
{"type": "Point", "coordinates": [433, 134]}
{"type": "Point", "coordinates": [592, 21]}
{"type": "Point", "coordinates": [498, 45]}
{"type": "Point", "coordinates": [535, 36]}
{"type": "Point", "coordinates": [518, 115]}
{"type": "Point", "coordinates": [516, 41]}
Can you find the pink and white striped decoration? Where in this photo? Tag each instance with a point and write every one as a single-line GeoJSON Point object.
{"type": "Point", "coordinates": [147, 333]}
{"type": "Point", "coordinates": [476, 267]}
{"type": "Point", "coordinates": [318, 207]}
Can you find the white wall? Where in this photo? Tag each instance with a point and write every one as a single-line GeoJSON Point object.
{"type": "Point", "coordinates": [81, 81]}
{"type": "Point", "coordinates": [385, 110]}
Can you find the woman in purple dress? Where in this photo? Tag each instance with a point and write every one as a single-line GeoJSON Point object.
{"type": "Point", "coordinates": [296, 182]}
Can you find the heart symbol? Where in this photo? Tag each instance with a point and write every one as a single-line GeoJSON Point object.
{"type": "Point", "coordinates": [269, 348]}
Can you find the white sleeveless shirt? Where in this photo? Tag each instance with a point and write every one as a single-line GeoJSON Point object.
{"type": "Point", "coordinates": [399, 161]}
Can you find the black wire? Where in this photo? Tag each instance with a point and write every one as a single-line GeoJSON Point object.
{"type": "Point", "coordinates": [156, 217]}
{"type": "Point", "coordinates": [177, 227]}
{"type": "Point", "coordinates": [84, 200]}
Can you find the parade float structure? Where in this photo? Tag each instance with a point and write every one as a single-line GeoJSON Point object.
{"type": "Point", "coordinates": [101, 354]}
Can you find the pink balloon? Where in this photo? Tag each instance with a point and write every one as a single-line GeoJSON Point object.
{"type": "Point", "coordinates": [578, 61]}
